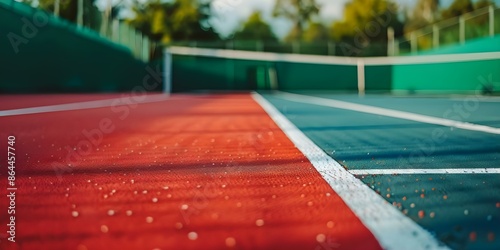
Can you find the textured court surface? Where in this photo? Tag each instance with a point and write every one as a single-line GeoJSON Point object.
{"type": "Point", "coordinates": [215, 172]}
{"type": "Point", "coordinates": [191, 172]}
{"type": "Point", "coordinates": [461, 210]}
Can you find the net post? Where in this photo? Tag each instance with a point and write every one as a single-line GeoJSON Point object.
{"type": "Point", "coordinates": [145, 48]}
{"type": "Point", "coordinates": [413, 42]}
{"type": "Point", "coordinates": [116, 31]}
{"type": "Point", "coordinates": [461, 22]}
{"type": "Point", "coordinates": [273, 78]}
{"type": "Point", "coordinates": [361, 77]}
{"type": "Point", "coordinates": [435, 36]}
{"type": "Point", "coordinates": [79, 13]}
{"type": "Point", "coordinates": [491, 14]}
{"type": "Point", "coordinates": [331, 48]}
{"type": "Point", "coordinates": [390, 41]}
{"type": "Point", "coordinates": [396, 47]}
{"type": "Point", "coordinates": [57, 4]}
{"type": "Point", "coordinates": [295, 47]}
{"type": "Point", "coordinates": [167, 71]}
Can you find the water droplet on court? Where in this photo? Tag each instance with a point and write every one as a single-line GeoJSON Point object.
{"type": "Point", "coordinates": [74, 213]}
{"type": "Point", "coordinates": [421, 214]}
{"type": "Point", "coordinates": [230, 242]}
{"type": "Point", "coordinates": [111, 212]}
{"type": "Point", "coordinates": [184, 206]}
{"type": "Point", "coordinates": [491, 236]}
{"type": "Point", "coordinates": [81, 247]}
{"type": "Point", "coordinates": [149, 219]}
{"type": "Point", "coordinates": [154, 200]}
{"type": "Point", "coordinates": [320, 238]}
{"type": "Point", "coordinates": [104, 229]}
{"type": "Point", "coordinates": [128, 213]}
{"type": "Point", "coordinates": [192, 235]}
{"type": "Point", "coordinates": [259, 222]}
{"type": "Point", "coordinates": [330, 224]}
{"type": "Point", "coordinates": [472, 236]}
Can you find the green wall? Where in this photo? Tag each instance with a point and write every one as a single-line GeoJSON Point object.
{"type": "Point", "coordinates": [445, 77]}
{"type": "Point", "coordinates": [40, 53]}
{"type": "Point", "coordinates": [192, 73]}
{"type": "Point", "coordinates": [206, 73]}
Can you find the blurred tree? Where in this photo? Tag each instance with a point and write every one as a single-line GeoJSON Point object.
{"type": "Point", "coordinates": [483, 3]}
{"type": "Point", "coordinates": [367, 20]}
{"type": "Point", "coordinates": [255, 29]}
{"type": "Point", "coordinates": [68, 10]}
{"type": "Point", "coordinates": [457, 8]}
{"type": "Point", "coordinates": [483, 19]}
{"type": "Point", "coordinates": [315, 32]}
{"type": "Point", "coordinates": [178, 20]}
{"type": "Point", "coordinates": [300, 12]}
{"type": "Point", "coordinates": [425, 12]}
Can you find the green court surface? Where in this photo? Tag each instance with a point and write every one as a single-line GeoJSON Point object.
{"type": "Point", "coordinates": [462, 210]}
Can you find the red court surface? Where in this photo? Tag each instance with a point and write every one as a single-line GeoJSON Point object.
{"type": "Point", "coordinates": [191, 172]}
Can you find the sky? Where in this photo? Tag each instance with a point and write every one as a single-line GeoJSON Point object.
{"type": "Point", "coordinates": [230, 14]}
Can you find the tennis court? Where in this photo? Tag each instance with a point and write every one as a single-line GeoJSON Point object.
{"type": "Point", "coordinates": [148, 128]}
{"type": "Point", "coordinates": [328, 153]}
{"type": "Point", "coordinates": [252, 171]}
{"type": "Point", "coordinates": [442, 177]}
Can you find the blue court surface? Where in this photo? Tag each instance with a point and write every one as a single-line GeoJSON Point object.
{"type": "Point", "coordinates": [435, 158]}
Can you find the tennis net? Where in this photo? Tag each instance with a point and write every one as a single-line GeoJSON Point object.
{"type": "Point", "coordinates": [193, 69]}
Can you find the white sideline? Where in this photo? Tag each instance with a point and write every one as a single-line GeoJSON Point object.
{"type": "Point", "coordinates": [83, 105]}
{"type": "Point", "coordinates": [392, 229]}
{"type": "Point", "coordinates": [386, 112]}
{"type": "Point", "coordinates": [425, 171]}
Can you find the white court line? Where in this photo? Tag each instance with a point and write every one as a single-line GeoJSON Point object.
{"type": "Point", "coordinates": [126, 100]}
{"type": "Point", "coordinates": [425, 171]}
{"type": "Point", "coordinates": [386, 112]}
{"type": "Point", "coordinates": [390, 227]}
{"type": "Point", "coordinates": [332, 60]}
{"type": "Point", "coordinates": [482, 99]}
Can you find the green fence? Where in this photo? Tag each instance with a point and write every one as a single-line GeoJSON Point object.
{"type": "Point", "coordinates": [41, 53]}
{"type": "Point", "coordinates": [458, 30]}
